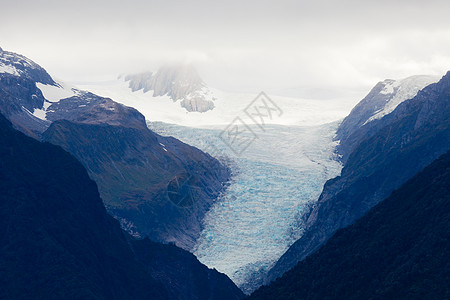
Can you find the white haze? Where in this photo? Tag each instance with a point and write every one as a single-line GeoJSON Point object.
{"type": "Point", "coordinates": [297, 48]}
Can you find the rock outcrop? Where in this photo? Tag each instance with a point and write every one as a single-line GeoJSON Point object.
{"type": "Point", "coordinates": [179, 82]}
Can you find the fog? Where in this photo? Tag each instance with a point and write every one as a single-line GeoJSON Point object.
{"type": "Point", "coordinates": [303, 48]}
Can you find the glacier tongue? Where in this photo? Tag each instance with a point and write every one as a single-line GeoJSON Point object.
{"type": "Point", "coordinates": [276, 179]}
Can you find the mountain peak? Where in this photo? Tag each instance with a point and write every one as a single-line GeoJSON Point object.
{"type": "Point", "coordinates": [179, 82]}
{"type": "Point", "coordinates": [18, 65]}
{"type": "Point", "coordinates": [381, 101]}
{"type": "Point", "coordinates": [397, 91]}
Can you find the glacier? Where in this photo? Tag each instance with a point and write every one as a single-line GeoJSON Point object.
{"type": "Point", "coordinates": [276, 179]}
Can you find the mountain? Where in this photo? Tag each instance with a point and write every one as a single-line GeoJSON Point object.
{"type": "Point", "coordinates": [179, 82]}
{"type": "Point", "coordinates": [32, 100]}
{"type": "Point", "coordinates": [18, 65]}
{"type": "Point", "coordinates": [58, 242]}
{"type": "Point", "coordinates": [19, 94]}
{"type": "Point", "coordinates": [408, 139]}
{"type": "Point", "coordinates": [381, 101]}
{"type": "Point", "coordinates": [156, 186]}
{"type": "Point", "coordinates": [399, 250]}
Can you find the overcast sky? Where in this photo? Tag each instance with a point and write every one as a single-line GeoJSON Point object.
{"type": "Point", "coordinates": [236, 45]}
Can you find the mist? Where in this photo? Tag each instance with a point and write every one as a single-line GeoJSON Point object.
{"type": "Point", "coordinates": [301, 48]}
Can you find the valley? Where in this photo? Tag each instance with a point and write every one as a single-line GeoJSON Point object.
{"type": "Point", "coordinates": [276, 179]}
{"type": "Point", "coordinates": [170, 189]}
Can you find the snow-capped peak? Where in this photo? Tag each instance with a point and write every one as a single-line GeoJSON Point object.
{"type": "Point", "coordinates": [19, 65]}
{"type": "Point", "coordinates": [397, 91]}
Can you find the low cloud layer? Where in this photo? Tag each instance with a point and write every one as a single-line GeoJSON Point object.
{"type": "Point", "coordinates": [250, 46]}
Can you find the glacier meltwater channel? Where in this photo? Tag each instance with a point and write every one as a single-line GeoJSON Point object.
{"type": "Point", "coordinates": [276, 178]}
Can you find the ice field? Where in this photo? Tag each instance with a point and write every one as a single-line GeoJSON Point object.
{"type": "Point", "coordinates": [275, 179]}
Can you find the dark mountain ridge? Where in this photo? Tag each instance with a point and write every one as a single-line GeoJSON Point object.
{"type": "Point", "coordinates": [156, 186]}
{"type": "Point", "coordinates": [403, 143]}
{"type": "Point", "coordinates": [58, 242]}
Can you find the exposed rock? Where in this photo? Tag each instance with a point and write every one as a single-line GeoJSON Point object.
{"type": "Point", "coordinates": [179, 82]}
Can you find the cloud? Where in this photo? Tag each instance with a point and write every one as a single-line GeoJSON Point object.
{"type": "Point", "coordinates": [237, 45]}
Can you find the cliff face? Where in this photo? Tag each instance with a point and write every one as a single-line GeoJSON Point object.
{"type": "Point", "coordinates": [156, 186]}
{"type": "Point", "coordinates": [179, 82]}
{"type": "Point", "coordinates": [404, 142]}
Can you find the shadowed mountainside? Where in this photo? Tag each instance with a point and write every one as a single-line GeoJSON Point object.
{"type": "Point", "coordinates": [399, 250]}
{"type": "Point", "coordinates": [156, 186]}
{"type": "Point", "coordinates": [408, 139]}
{"type": "Point", "coordinates": [58, 242]}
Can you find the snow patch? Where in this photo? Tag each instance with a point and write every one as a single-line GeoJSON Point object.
{"type": "Point", "coordinates": [8, 69]}
{"type": "Point", "coordinates": [56, 93]}
{"type": "Point", "coordinates": [52, 94]}
{"type": "Point", "coordinates": [40, 113]}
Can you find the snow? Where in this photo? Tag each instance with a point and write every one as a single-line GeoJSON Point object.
{"type": "Point", "coordinates": [56, 93]}
{"type": "Point", "coordinates": [8, 61]}
{"type": "Point", "coordinates": [227, 106]}
{"type": "Point", "coordinates": [276, 178]}
{"type": "Point", "coordinates": [8, 69]}
{"type": "Point", "coordinates": [389, 88]}
{"type": "Point", "coordinates": [402, 90]}
{"type": "Point", "coordinates": [52, 94]}
{"type": "Point", "coordinates": [40, 113]}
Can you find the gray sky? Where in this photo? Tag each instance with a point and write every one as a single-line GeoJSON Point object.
{"type": "Point", "coordinates": [236, 45]}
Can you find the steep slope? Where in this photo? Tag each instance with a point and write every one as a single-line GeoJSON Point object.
{"type": "Point", "coordinates": [57, 241]}
{"type": "Point", "coordinates": [399, 250]}
{"type": "Point", "coordinates": [19, 94]}
{"type": "Point", "coordinates": [18, 65]}
{"type": "Point", "coordinates": [418, 131]}
{"type": "Point", "coordinates": [179, 82]}
{"type": "Point", "coordinates": [156, 186]}
{"type": "Point", "coordinates": [381, 101]}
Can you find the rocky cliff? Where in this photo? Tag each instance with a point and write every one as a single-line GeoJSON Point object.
{"type": "Point", "coordinates": [403, 143]}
